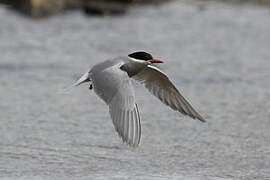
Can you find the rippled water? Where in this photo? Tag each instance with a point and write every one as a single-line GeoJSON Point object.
{"type": "Point", "coordinates": [216, 54]}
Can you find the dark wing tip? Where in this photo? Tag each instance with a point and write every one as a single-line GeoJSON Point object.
{"type": "Point", "coordinates": [196, 116]}
{"type": "Point", "coordinates": [201, 119]}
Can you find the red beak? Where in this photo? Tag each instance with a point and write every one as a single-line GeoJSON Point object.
{"type": "Point", "coordinates": [156, 61]}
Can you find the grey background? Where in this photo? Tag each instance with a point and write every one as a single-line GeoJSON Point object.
{"type": "Point", "coordinates": [216, 54]}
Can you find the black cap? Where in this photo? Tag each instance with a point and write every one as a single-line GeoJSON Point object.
{"type": "Point", "coordinates": [141, 55]}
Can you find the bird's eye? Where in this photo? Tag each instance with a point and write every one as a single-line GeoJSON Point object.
{"type": "Point", "coordinates": [123, 68]}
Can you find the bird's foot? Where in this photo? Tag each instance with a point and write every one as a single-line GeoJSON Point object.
{"type": "Point", "coordinates": [90, 87]}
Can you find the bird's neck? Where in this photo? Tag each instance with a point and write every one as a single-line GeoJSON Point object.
{"type": "Point", "coordinates": [134, 66]}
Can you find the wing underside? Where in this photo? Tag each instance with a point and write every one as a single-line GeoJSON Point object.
{"type": "Point", "coordinates": [161, 87]}
{"type": "Point", "coordinates": [115, 87]}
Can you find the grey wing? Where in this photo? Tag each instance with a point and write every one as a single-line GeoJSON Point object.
{"type": "Point", "coordinates": [124, 111]}
{"type": "Point", "coordinates": [160, 85]}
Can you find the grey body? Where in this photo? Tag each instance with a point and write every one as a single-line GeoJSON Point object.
{"type": "Point", "coordinates": [104, 78]}
{"type": "Point", "coordinates": [114, 87]}
{"type": "Point", "coordinates": [108, 77]}
{"type": "Point", "coordinates": [111, 81]}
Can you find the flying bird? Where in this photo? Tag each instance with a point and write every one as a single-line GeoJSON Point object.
{"type": "Point", "coordinates": [112, 82]}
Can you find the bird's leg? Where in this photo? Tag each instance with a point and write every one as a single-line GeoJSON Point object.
{"type": "Point", "coordinates": [90, 87]}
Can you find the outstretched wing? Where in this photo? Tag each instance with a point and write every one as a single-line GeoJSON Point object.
{"type": "Point", "coordinates": [117, 91]}
{"type": "Point", "coordinates": [126, 122]}
{"type": "Point", "coordinates": [160, 86]}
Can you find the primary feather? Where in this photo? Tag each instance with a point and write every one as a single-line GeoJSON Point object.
{"type": "Point", "coordinates": [160, 86]}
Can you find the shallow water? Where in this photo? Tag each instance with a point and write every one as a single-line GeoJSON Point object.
{"type": "Point", "coordinates": [216, 54]}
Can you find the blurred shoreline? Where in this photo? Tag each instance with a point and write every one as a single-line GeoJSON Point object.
{"type": "Point", "coordinates": [45, 8]}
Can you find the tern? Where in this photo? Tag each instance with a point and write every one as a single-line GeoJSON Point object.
{"type": "Point", "coordinates": [112, 82]}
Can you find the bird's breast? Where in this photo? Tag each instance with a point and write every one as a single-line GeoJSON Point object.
{"type": "Point", "coordinates": [107, 81]}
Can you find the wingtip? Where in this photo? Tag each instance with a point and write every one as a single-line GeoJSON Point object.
{"type": "Point", "coordinates": [201, 119]}
{"type": "Point", "coordinates": [197, 116]}
{"type": "Point", "coordinates": [133, 145]}
{"type": "Point", "coordinates": [130, 143]}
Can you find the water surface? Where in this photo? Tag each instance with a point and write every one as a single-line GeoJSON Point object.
{"type": "Point", "coordinates": [217, 55]}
